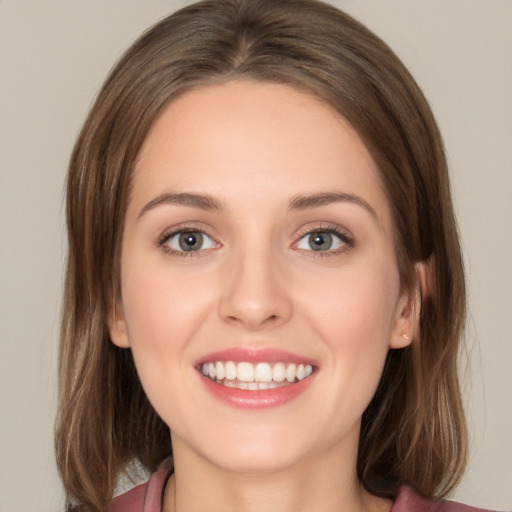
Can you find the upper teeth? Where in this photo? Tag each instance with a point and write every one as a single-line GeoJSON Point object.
{"type": "Point", "coordinates": [259, 372]}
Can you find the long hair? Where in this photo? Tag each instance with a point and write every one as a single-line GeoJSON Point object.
{"type": "Point", "coordinates": [413, 432]}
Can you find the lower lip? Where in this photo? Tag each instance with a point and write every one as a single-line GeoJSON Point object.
{"type": "Point", "coordinates": [258, 398]}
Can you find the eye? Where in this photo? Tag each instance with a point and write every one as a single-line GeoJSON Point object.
{"type": "Point", "coordinates": [188, 241]}
{"type": "Point", "coordinates": [322, 241]}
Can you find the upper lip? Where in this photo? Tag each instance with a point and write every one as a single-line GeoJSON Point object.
{"type": "Point", "coordinates": [253, 355]}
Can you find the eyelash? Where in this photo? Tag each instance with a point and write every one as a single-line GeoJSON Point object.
{"type": "Point", "coordinates": [165, 237]}
{"type": "Point", "coordinates": [348, 241]}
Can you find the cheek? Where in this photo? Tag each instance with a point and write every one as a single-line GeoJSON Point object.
{"type": "Point", "coordinates": [162, 305]}
{"type": "Point", "coordinates": [354, 315]}
{"type": "Point", "coordinates": [162, 312]}
{"type": "Point", "coordinates": [358, 302]}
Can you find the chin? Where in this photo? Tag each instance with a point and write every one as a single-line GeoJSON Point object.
{"type": "Point", "coordinates": [242, 449]}
{"type": "Point", "coordinates": [256, 461]}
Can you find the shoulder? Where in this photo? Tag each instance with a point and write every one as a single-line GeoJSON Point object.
{"type": "Point", "coordinates": [407, 501]}
{"type": "Point", "coordinates": [146, 497]}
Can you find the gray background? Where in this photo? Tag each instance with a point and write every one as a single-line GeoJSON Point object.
{"type": "Point", "coordinates": [53, 57]}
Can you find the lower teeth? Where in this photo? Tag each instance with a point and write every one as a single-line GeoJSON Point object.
{"type": "Point", "coordinates": [251, 385]}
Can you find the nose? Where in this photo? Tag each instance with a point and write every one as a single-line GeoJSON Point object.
{"type": "Point", "coordinates": [254, 292]}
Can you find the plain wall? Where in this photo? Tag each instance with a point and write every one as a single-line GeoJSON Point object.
{"type": "Point", "coordinates": [53, 57]}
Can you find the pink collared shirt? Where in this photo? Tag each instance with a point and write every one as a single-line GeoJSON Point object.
{"type": "Point", "coordinates": [147, 497]}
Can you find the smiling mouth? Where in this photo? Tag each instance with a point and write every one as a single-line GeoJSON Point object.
{"type": "Point", "coordinates": [245, 375]}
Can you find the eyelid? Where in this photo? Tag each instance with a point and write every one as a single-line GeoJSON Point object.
{"type": "Point", "coordinates": [326, 227]}
{"type": "Point", "coordinates": [169, 233]}
{"type": "Point", "coordinates": [323, 227]}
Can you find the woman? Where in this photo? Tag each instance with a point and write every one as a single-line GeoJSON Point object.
{"type": "Point", "coordinates": [264, 277]}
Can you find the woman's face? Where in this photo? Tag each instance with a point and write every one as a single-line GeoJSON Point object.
{"type": "Point", "coordinates": [258, 247]}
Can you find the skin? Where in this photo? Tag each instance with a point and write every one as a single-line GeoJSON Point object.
{"type": "Point", "coordinates": [256, 283]}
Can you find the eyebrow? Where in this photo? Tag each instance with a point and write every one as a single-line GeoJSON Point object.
{"type": "Point", "coordinates": [201, 201]}
{"type": "Point", "coordinates": [301, 202]}
{"type": "Point", "coordinates": [298, 202]}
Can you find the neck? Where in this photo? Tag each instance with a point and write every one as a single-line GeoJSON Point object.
{"type": "Point", "coordinates": [323, 484]}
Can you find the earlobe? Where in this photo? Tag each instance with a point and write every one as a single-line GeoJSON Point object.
{"type": "Point", "coordinates": [117, 326]}
{"type": "Point", "coordinates": [405, 322]}
{"type": "Point", "coordinates": [409, 309]}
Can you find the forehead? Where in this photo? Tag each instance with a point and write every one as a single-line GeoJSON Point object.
{"type": "Point", "coordinates": [251, 134]}
{"type": "Point", "coordinates": [246, 109]}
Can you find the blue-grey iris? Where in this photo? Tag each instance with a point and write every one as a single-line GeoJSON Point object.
{"type": "Point", "coordinates": [320, 241]}
{"type": "Point", "coordinates": [191, 241]}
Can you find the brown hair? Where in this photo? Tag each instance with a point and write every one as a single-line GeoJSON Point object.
{"type": "Point", "coordinates": [413, 431]}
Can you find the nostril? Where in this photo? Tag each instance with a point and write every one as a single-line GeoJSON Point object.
{"type": "Point", "coordinates": [256, 309]}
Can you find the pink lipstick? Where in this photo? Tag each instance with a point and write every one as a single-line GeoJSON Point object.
{"type": "Point", "coordinates": [248, 378]}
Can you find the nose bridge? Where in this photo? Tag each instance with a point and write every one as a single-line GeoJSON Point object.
{"type": "Point", "coordinates": [254, 292]}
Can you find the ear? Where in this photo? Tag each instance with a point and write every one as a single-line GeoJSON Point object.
{"type": "Point", "coordinates": [408, 312]}
{"type": "Point", "coordinates": [117, 325]}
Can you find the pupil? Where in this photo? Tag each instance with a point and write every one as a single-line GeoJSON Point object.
{"type": "Point", "coordinates": [320, 241]}
{"type": "Point", "coordinates": [191, 241]}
